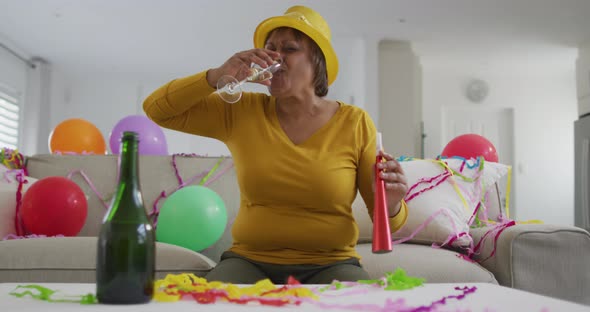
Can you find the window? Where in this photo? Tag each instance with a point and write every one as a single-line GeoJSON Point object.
{"type": "Point", "coordinates": [9, 121]}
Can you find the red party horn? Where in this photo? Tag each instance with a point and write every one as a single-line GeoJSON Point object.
{"type": "Point", "coordinates": [381, 230]}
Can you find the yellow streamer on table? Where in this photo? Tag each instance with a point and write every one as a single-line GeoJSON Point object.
{"type": "Point", "coordinates": [170, 288]}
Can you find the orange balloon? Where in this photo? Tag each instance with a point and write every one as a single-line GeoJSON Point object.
{"type": "Point", "coordinates": [78, 136]}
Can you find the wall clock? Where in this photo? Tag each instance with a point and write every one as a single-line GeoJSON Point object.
{"type": "Point", "coordinates": [477, 90]}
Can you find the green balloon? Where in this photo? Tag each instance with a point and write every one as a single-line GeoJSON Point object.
{"type": "Point", "coordinates": [193, 217]}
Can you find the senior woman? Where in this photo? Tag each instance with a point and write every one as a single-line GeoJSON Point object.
{"type": "Point", "coordinates": [300, 158]}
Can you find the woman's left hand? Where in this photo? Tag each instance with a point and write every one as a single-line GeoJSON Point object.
{"type": "Point", "coordinates": [396, 184]}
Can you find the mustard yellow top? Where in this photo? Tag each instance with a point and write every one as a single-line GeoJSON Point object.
{"type": "Point", "coordinates": [295, 205]}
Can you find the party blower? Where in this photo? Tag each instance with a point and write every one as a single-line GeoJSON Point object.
{"type": "Point", "coordinates": [381, 231]}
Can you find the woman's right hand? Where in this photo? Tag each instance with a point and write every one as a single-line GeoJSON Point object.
{"type": "Point", "coordinates": [238, 66]}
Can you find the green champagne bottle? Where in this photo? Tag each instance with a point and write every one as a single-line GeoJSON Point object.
{"type": "Point", "coordinates": [125, 258]}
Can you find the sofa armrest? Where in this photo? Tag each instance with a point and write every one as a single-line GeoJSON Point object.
{"type": "Point", "coordinates": [545, 259]}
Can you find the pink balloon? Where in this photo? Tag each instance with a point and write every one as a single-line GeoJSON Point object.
{"type": "Point", "coordinates": [151, 137]}
{"type": "Point", "coordinates": [471, 146]}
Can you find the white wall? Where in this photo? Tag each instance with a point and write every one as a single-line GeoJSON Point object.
{"type": "Point", "coordinates": [583, 79]}
{"type": "Point", "coordinates": [349, 86]}
{"type": "Point", "coordinates": [400, 105]}
{"type": "Point", "coordinates": [13, 74]}
{"type": "Point", "coordinates": [543, 96]}
{"type": "Point", "coordinates": [104, 99]}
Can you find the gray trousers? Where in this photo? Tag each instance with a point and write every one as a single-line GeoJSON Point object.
{"type": "Point", "coordinates": [235, 269]}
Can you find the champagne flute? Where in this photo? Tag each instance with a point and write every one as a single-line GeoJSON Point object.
{"type": "Point", "coordinates": [230, 89]}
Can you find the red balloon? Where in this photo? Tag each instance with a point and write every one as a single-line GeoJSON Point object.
{"type": "Point", "coordinates": [53, 206]}
{"type": "Point", "coordinates": [471, 146]}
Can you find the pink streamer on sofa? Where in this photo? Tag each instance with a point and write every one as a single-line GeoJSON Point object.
{"type": "Point", "coordinates": [19, 176]}
{"type": "Point", "coordinates": [156, 209]}
{"type": "Point", "coordinates": [484, 211]}
{"type": "Point", "coordinates": [175, 166]}
{"type": "Point", "coordinates": [443, 176]}
{"type": "Point", "coordinates": [471, 250]}
{"type": "Point", "coordinates": [462, 166]}
{"type": "Point", "coordinates": [13, 236]}
{"type": "Point", "coordinates": [219, 174]}
{"type": "Point", "coordinates": [74, 153]}
{"type": "Point", "coordinates": [90, 184]}
{"type": "Point", "coordinates": [498, 229]}
{"type": "Point", "coordinates": [472, 197]}
{"type": "Point", "coordinates": [437, 180]}
{"type": "Point", "coordinates": [18, 222]}
{"type": "Point", "coordinates": [431, 218]}
{"type": "Point", "coordinates": [474, 214]}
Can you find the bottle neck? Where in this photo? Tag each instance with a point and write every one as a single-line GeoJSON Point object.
{"type": "Point", "coordinates": [128, 164]}
{"type": "Point", "coordinates": [127, 203]}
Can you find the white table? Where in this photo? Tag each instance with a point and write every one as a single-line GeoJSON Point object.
{"type": "Point", "coordinates": [487, 297]}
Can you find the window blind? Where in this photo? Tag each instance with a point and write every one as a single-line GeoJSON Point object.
{"type": "Point", "coordinates": [9, 121]}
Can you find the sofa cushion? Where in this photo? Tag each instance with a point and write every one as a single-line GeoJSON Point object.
{"type": "Point", "coordinates": [433, 264]}
{"type": "Point", "coordinates": [73, 259]}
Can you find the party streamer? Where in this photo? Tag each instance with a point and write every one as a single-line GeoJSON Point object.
{"type": "Point", "coordinates": [179, 286]}
{"type": "Point", "coordinates": [46, 294]}
{"type": "Point", "coordinates": [207, 177]}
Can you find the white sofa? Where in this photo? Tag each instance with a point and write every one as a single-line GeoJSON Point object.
{"type": "Point", "coordinates": [545, 259]}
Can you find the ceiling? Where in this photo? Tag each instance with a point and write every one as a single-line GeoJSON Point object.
{"type": "Point", "coordinates": [167, 35]}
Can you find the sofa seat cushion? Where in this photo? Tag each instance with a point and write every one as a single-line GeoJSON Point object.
{"type": "Point", "coordinates": [434, 265]}
{"type": "Point", "coordinates": [73, 259]}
